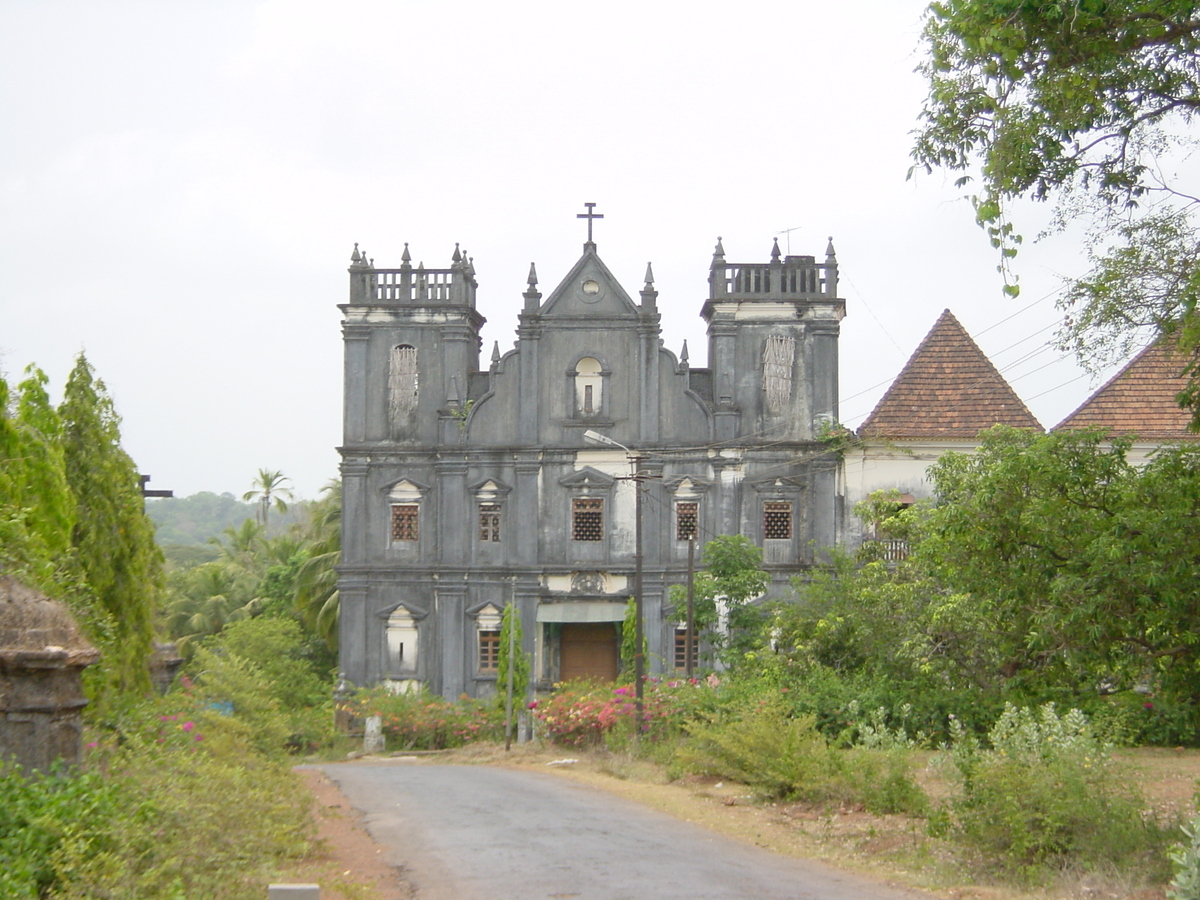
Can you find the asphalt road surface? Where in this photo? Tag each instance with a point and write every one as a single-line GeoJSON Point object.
{"type": "Point", "coordinates": [483, 833]}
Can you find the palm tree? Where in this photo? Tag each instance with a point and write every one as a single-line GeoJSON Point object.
{"type": "Point", "coordinates": [203, 600]}
{"type": "Point", "coordinates": [242, 546]}
{"type": "Point", "coordinates": [316, 579]}
{"type": "Point", "coordinates": [268, 486]}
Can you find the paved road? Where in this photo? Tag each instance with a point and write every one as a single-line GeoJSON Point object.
{"type": "Point", "coordinates": [482, 833]}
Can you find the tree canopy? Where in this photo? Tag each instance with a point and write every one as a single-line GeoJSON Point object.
{"type": "Point", "coordinates": [1089, 564]}
{"type": "Point", "coordinates": [71, 518]}
{"type": "Point", "coordinates": [1087, 103]}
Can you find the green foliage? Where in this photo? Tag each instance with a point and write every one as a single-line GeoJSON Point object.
{"type": "Point", "coordinates": [1047, 94]}
{"type": "Point", "coordinates": [786, 756]}
{"type": "Point", "coordinates": [268, 490]}
{"type": "Point", "coordinates": [1086, 562]}
{"type": "Point", "coordinates": [731, 577]}
{"type": "Point", "coordinates": [266, 670]}
{"type": "Point", "coordinates": [517, 659]}
{"type": "Point", "coordinates": [113, 539]}
{"type": "Point", "coordinates": [175, 804]}
{"type": "Point", "coordinates": [629, 641]}
{"type": "Point", "coordinates": [1185, 884]}
{"type": "Point", "coordinates": [290, 575]}
{"type": "Point", "coordinates": [589, 713]}
{"type": "Point", "coordinates": [37, 508]}
{"type": "Point", "coordinates": [1089, 103]}
{"type": "Point", "coordinates": [420, 721]}
{"type": "Point", "coordinates": [39, 814]}
{"type": "Point", "coordinates": [193, 520]}
{"type": "Point", "coordinates": [316, 597]}
{"type": "Point", "coordinates": [203, 600]}
{"type": "Point", "coordinates": [1046, 792]}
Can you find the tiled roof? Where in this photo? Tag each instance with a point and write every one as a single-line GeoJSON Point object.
{"type": "Point", "coordinates": [1140, 399]}
{"type": "Point", "coordinates": [947, 389]}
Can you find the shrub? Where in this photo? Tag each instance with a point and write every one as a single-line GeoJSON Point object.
{"type": "Point", "coordinates": [577, 714]}
{"type": "Point", "coordinates": [786, 756]}
{"type": "Point", "coordinates": [176, 803]}
{"type": "Point", "coordinates": [1185, 885]}
{"type": "Point", "coordinates": [584, 713]}
{"type": "Point", "coordinates": [1046, 793]}
{"type": "Point", "coordinates": [421, 721]}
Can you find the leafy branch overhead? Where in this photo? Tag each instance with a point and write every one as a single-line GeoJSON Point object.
{"type": "Point", "coordinates": [1087, 103]}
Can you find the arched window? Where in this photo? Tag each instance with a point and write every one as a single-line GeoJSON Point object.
{"type": "Point", "coordinates": [589, 388]}
{"type": "Point", "coordinates": [402, 380]}
{"type": "Point", "coordinates": [402, 642]}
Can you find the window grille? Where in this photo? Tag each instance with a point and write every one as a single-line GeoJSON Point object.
{"type": "Point", "coordinates": [489, 651]}
{"type": "Point", "coordinates": [489, 522]}
{"type": "Point", "coordinates": [404, 522]}
{"type": "Point", "coordinates": [777, 520]}
{"type": "Point", "coordinates": [587, 519]}
{"type": "Point", "coordinates": [685, 520]}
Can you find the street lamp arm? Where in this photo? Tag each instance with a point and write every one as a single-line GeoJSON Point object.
{"type": "Point", "coordinates": [596, 437]}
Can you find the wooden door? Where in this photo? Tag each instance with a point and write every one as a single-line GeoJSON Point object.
{"type": "Point", "coordinates": [589, 650]}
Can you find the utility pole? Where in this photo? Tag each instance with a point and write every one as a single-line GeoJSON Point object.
{"type": "Point", "coordinates": [689, 646]}
{"type": "Point", "coordinates": [512, 665]}
{"type": "Point", "coordinates": [639, 652]}
{"type": "Point", "coordinates": [639, 649]}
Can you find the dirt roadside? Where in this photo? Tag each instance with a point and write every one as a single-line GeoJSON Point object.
{"type": "Point", "coordinates": [891, 848]}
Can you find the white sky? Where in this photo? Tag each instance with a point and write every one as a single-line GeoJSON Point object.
{"type": "Point", "coordinates": [181, 185]}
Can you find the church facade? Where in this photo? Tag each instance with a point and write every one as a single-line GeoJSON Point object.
{"type": "Point", "coordinates": [466, 488]}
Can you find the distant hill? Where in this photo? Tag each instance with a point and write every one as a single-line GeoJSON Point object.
{"type": "Point", "coordinates": [195, 519]}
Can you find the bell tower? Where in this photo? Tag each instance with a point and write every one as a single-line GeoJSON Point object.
{"type": "Point", "coordinates": [411, 345]}
{"type": "Point", "coordinates": [772, 345]}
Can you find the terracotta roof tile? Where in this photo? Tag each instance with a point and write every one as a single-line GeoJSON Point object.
{"type": "Point", "coordinates": [1140, 399]}
{"type": "Point", "coordinates": [947, 389]}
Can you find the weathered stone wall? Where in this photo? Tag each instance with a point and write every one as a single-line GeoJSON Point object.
{"type": "Point", "coordinates": [42, 658]}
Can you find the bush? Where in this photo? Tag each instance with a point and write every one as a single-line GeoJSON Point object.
{"type": "Point", "coordinates": [1046, 793]}
{"type": "Point", "coordinates": [590, 714]}
{"type": "Point", "coordinates": [578, 714]}
{"type": "Point", "coordinates": [263, 668]}
{"type": "Point", "coordinates": [176, 803]}
{"type": "Point", "coordinates": [785, 756]}
{"type": "Point", "coordinates": [1185, 885]}
{"type": "Point", "coordinates": [38, 815]}
{"type": "Point", "coordinates": [421, 721]}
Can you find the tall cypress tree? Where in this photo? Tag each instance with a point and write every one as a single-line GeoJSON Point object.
{"type": "Point", "coordinates": [518, 660]}
{"type": "Point", "coordinates": [112, 537]}
{"type": "Point", "coordinates": [37, 509]}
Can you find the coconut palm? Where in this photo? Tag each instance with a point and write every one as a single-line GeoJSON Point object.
{"type": "Point", "coordinates": [316, 579]}
{"type": "Point", "coordinates": [268, 488]}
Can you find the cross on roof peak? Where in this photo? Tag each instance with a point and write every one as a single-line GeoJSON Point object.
{"type": "Point", "coordinates": [589, 215]}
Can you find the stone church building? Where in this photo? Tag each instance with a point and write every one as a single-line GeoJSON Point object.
{"type": "Point", "coordinates": [467, 487]}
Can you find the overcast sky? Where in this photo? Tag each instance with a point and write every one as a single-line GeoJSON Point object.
{"type": "Point", "coordinates": [181, 186]}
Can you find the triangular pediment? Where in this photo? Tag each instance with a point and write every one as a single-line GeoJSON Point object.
{"type": "Point", "coordinates": [405, 489]}
{"type": "Point", "coordinates": [587, 477]}
{"type": "Point", "coordinates": [947, 389]}
{"type": "Point", "coordinates": [589, 291]}
{"type": "Point", "coordinates": [413, 612]}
